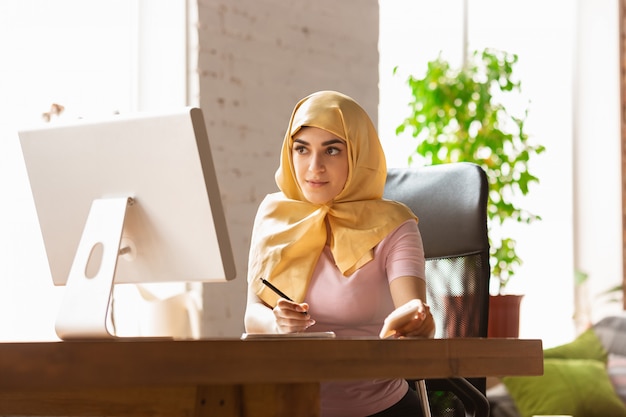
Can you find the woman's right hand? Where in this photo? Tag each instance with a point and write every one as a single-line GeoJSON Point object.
{"type": "Point", "coordinates": [292, 317]}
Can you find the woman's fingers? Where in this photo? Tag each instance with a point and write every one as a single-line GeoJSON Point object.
{"type": "Point", "coordinates": [292, 317]}
{"type": "Point", "coordinates": [422, 325]}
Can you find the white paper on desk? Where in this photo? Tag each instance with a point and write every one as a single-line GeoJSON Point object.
{"type": "Point", "coordinates": [275, 336]}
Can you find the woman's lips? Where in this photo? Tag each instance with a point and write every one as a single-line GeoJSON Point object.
{"type": "Point", "coordinates": [316, 183]}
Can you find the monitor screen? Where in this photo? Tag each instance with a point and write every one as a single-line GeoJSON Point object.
{"type": "Point", "coordinates": [149, 175]}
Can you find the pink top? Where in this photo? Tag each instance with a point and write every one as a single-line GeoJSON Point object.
{"type": "Point", "coordinates": [357, 306]}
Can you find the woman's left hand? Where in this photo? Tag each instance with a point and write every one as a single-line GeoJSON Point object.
{"type": "Point", "coordinates": [422, 324]}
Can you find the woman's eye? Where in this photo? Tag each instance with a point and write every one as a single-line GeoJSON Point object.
{"type": "Point", "coordinates": [299, 149]}
{"type": "Point", "coordinates": [333, 151]}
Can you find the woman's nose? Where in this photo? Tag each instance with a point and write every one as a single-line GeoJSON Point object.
{"type": "Point", "coordinates": [317, 163]}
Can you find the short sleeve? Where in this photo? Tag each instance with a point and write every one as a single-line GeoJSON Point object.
{"type": "Point", "coordinates": [404, 252]}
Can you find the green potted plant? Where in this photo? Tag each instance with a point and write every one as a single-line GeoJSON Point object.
{"type": "Point", "coordinates": [456, 116]}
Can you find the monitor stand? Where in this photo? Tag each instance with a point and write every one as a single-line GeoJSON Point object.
{"type": "Point", "coordinates": [85, 309]}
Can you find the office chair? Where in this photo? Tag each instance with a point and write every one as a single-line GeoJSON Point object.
{"type": "Point", "coordinates": [450, 201]}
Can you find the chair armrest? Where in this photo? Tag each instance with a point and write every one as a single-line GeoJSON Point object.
{"type": "Point", "coordinates": [474, 401]}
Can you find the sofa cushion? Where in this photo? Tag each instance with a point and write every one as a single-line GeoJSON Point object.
{"type": "Point", "coordinates": [586, 346]}
{"type": "Point", "coordinates": [576, 387]}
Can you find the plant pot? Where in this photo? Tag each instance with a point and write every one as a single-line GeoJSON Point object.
{"type": "Point", "coordinates": [504, 315]}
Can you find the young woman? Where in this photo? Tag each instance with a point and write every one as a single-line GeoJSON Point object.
{"type": "Point", "coordinates": [346, 257]}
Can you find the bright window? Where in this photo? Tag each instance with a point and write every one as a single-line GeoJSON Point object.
{"type": "Point", "coordinates": [94, 58]}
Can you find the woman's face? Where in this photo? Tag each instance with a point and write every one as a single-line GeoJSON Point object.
{"type": "Point", "coordinates": [320, 160]}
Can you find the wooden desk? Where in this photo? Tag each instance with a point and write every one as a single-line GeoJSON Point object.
{"type": "Point", "coordinates": [229, 377]}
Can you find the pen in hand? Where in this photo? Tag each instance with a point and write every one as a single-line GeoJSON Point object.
{"type": "Point", "coordinates": [276, 290]}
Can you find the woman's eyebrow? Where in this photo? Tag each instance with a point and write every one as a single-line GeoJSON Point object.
{"type": "Point", "coordinates": [326, 143]}
{"type": "Point", "coordinates": [334, 141]}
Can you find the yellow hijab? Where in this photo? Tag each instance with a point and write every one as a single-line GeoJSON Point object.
{"type": "Point", "coordinates": [290, 233]}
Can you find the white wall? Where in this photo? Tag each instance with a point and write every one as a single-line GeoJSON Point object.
{"type": "Point", "coordinates": [257, 59]}
{"type": "Point", "coordinates": [597, 153]}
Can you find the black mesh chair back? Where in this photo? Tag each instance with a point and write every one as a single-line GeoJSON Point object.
{"type": "Point", "coordinates": [450, 201]}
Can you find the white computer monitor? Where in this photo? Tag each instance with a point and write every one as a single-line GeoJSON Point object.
{"type": "Point", "coordinates": [127, 199]}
